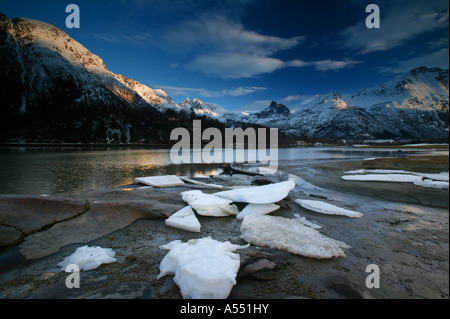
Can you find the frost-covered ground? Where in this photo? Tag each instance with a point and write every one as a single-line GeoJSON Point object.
{"type": "Point", "coordinates": [403, 229]}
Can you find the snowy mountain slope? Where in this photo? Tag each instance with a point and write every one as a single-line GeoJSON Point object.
{"type": "Point", "coordinates": [422, 89]}
{"type": "Point", "coordinates": [54, 90]}
{"type": "Point", "coordinates": [201, 108]}
{"type": "Point", "coordinates": [412, 106]}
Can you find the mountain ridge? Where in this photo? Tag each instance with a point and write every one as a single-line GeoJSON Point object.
{"type": "Point", "coordinates": [55, 90]}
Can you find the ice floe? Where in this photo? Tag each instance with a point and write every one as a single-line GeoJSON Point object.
{"type": "Point", "coordinates": [305, 222]}
{"type": "Point", "coordinates": [443, 176]}
{"type": "Point", "coordinates": [395, 178]}
{"type": "Point", "coordinates": [258, 209]}
{"type": "Point", "coordinates": [190, 196]}
{"type": "Point", "coordinates": [191, 181]}
{"type": "Point", "coordinates": [88, 258]}
{"type": "Point", "coordinates": [432, 183]}
{"type": "Point", "coordinates": [209, 204]}
{"type": "Point", "coordinates": [184, 219]}
{"type": "Point", "coordinates": [204, 268]}
{"type": "Point", "coordinates": [289, 235]}
{"type": "Point", "coordinates": [266, 194]}
{"type": "Point", "coordinates": [325, 208]}
{"type": "Point", "coordinates": [434, 180]}
{"type": "Point", "coordinates": [160, 181]}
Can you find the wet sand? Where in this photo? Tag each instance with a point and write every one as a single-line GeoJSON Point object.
{"type": "Point", "coordinates": [404, 231]}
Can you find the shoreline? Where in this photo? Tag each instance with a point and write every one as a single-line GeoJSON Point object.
{"type": "Point", "coordinates": [408, 241]}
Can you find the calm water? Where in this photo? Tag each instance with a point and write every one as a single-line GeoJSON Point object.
{"type": "Point", "coordinates": [55, 170]}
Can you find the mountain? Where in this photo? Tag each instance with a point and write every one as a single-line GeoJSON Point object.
{"type": "Point", "coordinates": [413, 106]}
{"type": "Point", "coordinates": [54, 90]}
{"type": "Point", "coordinates": [274, 109]}
{"type": "Point", "coordinates": [201, 108]}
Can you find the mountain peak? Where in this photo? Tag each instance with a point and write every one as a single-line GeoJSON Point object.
{"type": "Point", "coordinates": [275, 109]}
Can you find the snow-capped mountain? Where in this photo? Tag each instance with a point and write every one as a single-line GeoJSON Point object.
{"type": "Point", "coordinates": [201, 108]}
{"type": "Point", "coordinates": [53, 89]}
{"type": "Point", "coordinates": [411, 106]}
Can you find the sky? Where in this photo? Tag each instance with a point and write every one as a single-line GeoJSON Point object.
{"type": "Point", "coordinates": [242, 54]}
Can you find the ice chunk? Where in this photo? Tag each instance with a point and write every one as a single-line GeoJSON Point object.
{"type": "Point", "coordinates": [305, 222]}
{"type": "Point", "coordinates": [204, 268]}
{"type": "Point", "coordinates": [431, 183]}
{"type": "Point", "coordinates": [325, 208]}
{"type": "Point", "coordinates": [184, 219]}
{"type": "Point", "coordinates": [160, 181]}
{"type": "Point", "coordinates": [443, 176]}
{"type": "Point", "coordinates": [266, 194]}
{"type": "Point", "coordinates": [257, 209]}
{"type": "Point", "coordinates": [87, 258]}
{"type": "Point", "coordinates": [266, 170]}
{"type": "Point", "coordinates": [191, 181]}
{"type": "Point", "coordinates": [289, 235]}
{"type": "Point", "coordinates": [395, 178]}
{"type": "Point", "coordinates": [438, 177]}
{"type": "Point", "coordinates": [190, 196]}
{"type": "Point", "coordinates": [208, 204]}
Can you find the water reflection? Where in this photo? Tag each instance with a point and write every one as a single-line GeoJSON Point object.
{"type": "Point", "coordinates": [54, 170]}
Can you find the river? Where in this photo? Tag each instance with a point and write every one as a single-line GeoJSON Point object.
{"type": "Point", "coordinates": [73, 170]}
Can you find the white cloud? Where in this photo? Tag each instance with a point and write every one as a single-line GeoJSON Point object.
{"type": "Point", "coordinates": [403, 20]}
{"type": "Point", "coordinates": [136, 38]}
{"type": "Point", "coordinates": [220, 34]}
{"type": "Point", "coordinates": [333, 65]}
{"type": "Point", "coordinates": [234, 65]}
{"type": "Point", "coordinates": [435, 59]}
{"type": "Point", "coordinates": [229, 50]}
{"type": "Point", "coordinates": [202, 92]}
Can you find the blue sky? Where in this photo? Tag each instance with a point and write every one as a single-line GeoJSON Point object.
{"type": "Point", "coordinates": [242, 54]}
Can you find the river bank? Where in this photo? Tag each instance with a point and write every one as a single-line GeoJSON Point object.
{"type": "Point", "coordinates": [406, 236]}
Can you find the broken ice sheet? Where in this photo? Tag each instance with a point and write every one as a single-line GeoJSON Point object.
{"type": "Point", "coordinates": [325, 208]}
{"type": "Point", "coordinates": [258, 209]}
{"type": "Point", "coordinates": [88, 258]}
{"type": "Point", "coordinates": [266, 194]}
{"type": "Point", "coordinates": [289, 235]}
{"type": "Point", "coordinates": [204, 268]}
{"type": "Point", "coordinates": [443, 176]}
{"type": "Point", "coordinates": [160, 181]}
{"type": "Point", "coordinates": [305, 222]}
{"type": "Point", "coordinates": [395, 178]}
{"type": "Point", "coordinates": [209, 205]}
{"type": "Point", "coordinates": [184, 219]}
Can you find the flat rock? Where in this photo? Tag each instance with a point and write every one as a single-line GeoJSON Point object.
{"type": "Point", "coordinates": [9, 235]}
{"type": "Point", "coordinates": [21, 215]}
{"type": "Point", "coordinates": [103, 218]}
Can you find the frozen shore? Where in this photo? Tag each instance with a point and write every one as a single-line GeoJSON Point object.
{"type": "Point", "coordinates": [403, 230]}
